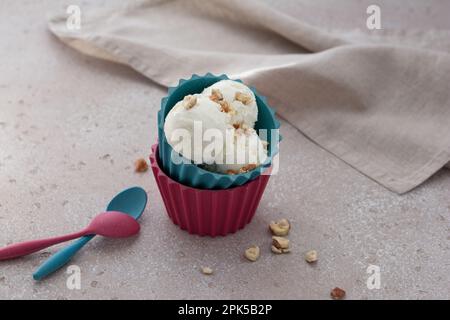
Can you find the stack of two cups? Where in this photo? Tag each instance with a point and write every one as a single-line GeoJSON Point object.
{"type": "Point", "coordinates": [204, 202]}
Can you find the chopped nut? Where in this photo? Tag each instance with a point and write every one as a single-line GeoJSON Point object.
{"type": "Point", "coordinates": [279, 251]}
{"type": "Point", "coordinates": [243, 97]}
{"type": "Point", "coordinates": [225, 107]}
{"type": "Point", "coordinates": [337, 293]}
{"type": "Point", "coordinates": [280, 242]}
{"type": "Point", "coordinates": [280, 228]}
{"type": "Point", "coordinates": [242, 128]}
{"type": "Point", "coordinates": [207, 270]}
{"type": "Point", "coordinates": [189, 101]}
{"type": "Point", "coordinates": [140, 165]}
{"type": "Point", "coordinates": [276, 250]}
{"type": "Point", "coordinates": [247, 168]}
{"type": "Point", "coordinates": [280, 245]}
{"type": "Point", "coordinates": [252, 253]}
{"type": "Point", "coordinates": [216, 95]}
{"type": "Point", "coordinates": [311, 256]}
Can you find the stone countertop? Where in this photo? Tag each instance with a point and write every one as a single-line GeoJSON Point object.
{"type": "Point", "coordinates": [72, 126]}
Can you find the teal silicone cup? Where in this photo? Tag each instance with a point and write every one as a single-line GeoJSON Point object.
{"type": "Point", "coordinates": [189, 173]}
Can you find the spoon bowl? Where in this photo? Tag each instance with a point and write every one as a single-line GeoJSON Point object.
{"type": "Point", "coordinates": [113, 224]}
{"type": "Point", "coordinates": [131, 201]}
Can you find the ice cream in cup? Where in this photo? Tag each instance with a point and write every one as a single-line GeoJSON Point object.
{"type": "Point", "coordinates": [216, 133]}
{"type": "Point", "coordinates": [203, 123]}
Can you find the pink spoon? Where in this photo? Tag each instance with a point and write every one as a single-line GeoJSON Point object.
{"type": "Point", "coordinates": [111, 224]}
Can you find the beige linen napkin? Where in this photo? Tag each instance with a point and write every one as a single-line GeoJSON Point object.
{"type": "Point", "coordinates": [380, 103]}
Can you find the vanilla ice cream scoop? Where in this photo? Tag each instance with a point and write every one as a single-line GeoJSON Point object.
{"type": "Point", "coordinates": [215, 128]}
{"type": "Point", "coordinates": [239, 98]}
{"type": "Point", "coordinates": [187, 122]}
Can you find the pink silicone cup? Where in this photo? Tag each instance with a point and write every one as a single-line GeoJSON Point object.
{"type": "Point", "coordinates": [208, 212]}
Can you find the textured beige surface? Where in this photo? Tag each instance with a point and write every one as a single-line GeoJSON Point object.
{"type": "Point", "coordinates": [71, 128]}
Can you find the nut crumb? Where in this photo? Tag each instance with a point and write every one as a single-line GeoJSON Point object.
{"type": "Point", "coordinates": [243, 97]}
{"type": "Point", "coordinates": [225, 107]}
{"type": "Point", "coordinates": [279, 251]}
{"type": "Point", "coordinates": [280, 242]}
{"type": "Point", "coordinates": [207, 270]}
{"type": "Point", "coordinates": [216, 95]}
{"type": "Point", "coordinates": [189, 101]}
{"type": "Point", "coordinates": [280, 228]}
{"type": "Point", "coordinates": [311, 256]}
{"type": "Point", "coordinates": [252, 253]}
{"type": "Point", "coordinates": [276, 250]}
{"type": "Point", "coordinates": [280, 245]}
{"type": "Point", "coordinates": [337, 293]}
{"type": "Point", "coordinates": [140, 165]}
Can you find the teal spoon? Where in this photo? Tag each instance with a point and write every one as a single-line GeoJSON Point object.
{"type": "Point", "coordinates": [131, 201]}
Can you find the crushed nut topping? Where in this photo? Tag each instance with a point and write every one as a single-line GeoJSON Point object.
{"type": "Point", "coordinates": [216, 95]}
{"type": "Point", "coordinates": [337, 293]}
{"type": "Point", "coordinates": [225, 107]}
{"type": "Point", "coordinates": [242, 127]}
{"type": "Point", "coordinates": [252, 253]}
{"type": "Point", "coordinates": [243, 97]}
{"type": "Point", "coordinates": [311, 256]}
{"type": "Point", "coordinates": [140, 165]}
{"type": "Point", "coordinates": [247, 168]}
{"type": "Point", "coordinates": [280, 245]}
{"type": "Point", "coordinates": [189, 101]}
{"type": "Point", "coordinates": [207, 270]}
{"type": "Point", "coordinates": [280, 228]}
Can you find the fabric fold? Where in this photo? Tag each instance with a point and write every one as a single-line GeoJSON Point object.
{"type": "Point", "coordinates": [381, 106]}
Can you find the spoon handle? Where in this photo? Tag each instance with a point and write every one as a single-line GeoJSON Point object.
{"type": "Point", "coordinates": [24, 248]}
{"type": "Point", "coordinates": [60, 258]}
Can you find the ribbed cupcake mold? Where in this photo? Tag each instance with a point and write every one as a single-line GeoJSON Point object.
{"type": "Point", "coordinates": [208, 212]}
{"type": "Point", "coordinates": [192, 175]}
